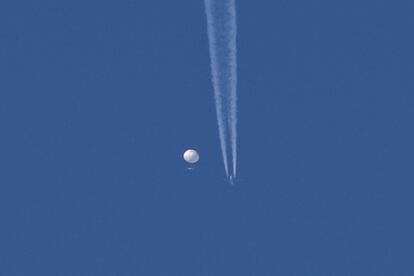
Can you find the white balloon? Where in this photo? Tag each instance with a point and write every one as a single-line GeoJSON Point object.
{"type": "Point", "coordinates": [191, 156]}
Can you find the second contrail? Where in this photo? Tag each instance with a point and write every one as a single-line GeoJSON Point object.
{"type": "Point", "coordinates": [222, 30]}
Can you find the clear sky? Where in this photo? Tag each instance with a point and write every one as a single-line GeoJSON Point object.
{"type": "Point", "coordinates": [98, 100]}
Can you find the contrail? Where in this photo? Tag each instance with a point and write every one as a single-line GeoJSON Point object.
{"type": "Point", "coordinates": [222, 30]}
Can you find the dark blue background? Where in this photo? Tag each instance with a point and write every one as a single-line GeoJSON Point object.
{"type": "Point", "coordinates": [98, 99]}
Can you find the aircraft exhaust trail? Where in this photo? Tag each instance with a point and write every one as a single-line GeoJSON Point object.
{"type": "Point", "coordinates": [222, 30]}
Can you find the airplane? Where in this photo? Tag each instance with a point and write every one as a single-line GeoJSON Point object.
{"type": "Point", "coordinates": [231, 179]}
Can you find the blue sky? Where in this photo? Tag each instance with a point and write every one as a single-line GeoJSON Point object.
{"type": "Point", "coordinates": [98, 100]}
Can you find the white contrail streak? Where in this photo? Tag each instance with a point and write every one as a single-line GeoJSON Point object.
{"type": "Point", "coordinates": [222, 30]}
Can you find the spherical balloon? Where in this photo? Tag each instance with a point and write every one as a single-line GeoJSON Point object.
{"type": "Point", "coordinates": [191, 156]}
